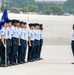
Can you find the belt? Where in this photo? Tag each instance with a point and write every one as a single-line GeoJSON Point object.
{"type": "Point", "coordinates": [41, 39]}
{"type": "Point", "coordinates": [32, 40]}
{"type": "Point", "coordinates": [72, 40]}
{"type": "Point", "coordinates": [37, 40]}
{"type": "Point", "coordinates": [14, 38]}
{"type": "Point", "coordinates": [23, 40]}
{"type": "Point", "coordinates": [8, 39]}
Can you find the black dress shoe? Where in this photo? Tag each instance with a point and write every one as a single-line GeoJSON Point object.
{"type": "Point", "coordinates": [21, 62]}
{"type": "Point", "coordinates": [2, 65]}
{"type": "Point", "coordinates": [37, 58]}
{"type": "Point", "coordinates": [40, 58]}
{"type": "Point", "coordinates": [73, 63]}
{"type": "Point", "coordinates": [8, 65]}
{"type": "Point", "coordinates": [25, 62]}
{"type": "Point", "coordinates": [30, 61]}
{"type": "Point", "coordinates": [13, 64]}
{"type": "Point", "coordinates": [34, 59]}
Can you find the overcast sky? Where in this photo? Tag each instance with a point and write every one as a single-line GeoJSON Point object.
{"type": "Point", "coordinates": [51, 0]}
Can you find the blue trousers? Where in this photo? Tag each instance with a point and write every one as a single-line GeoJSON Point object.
{"type": "Point", "coordinates": [0, 47]}
{"type": "Point", "coordinates": [30, 51]}
{"type": "Point", "coordinates": [40, 48]}
{"type": "Point", "coordinates": [8, 44]}
{"type": "Point", "coordinates": [14, 52]}
{"type": "Point", "coordinates": [22, 51]}
{"type": "Point", "coordinates": [19, 54]}
{"type": "Point", "coordinates": [8, 50]}
{"type": "Point", "coordinates": [2, 53]}
{"type": "Point", "coordinates": [72, 46]}
{"type": "Point", "coordinates": [36, 49]}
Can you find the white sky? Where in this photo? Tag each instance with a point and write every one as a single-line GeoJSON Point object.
{"type": "Point", "coordinates": [50, 0]}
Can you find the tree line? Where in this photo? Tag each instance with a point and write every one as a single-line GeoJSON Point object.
{"type": "Point", "coordinates": [24, 6]}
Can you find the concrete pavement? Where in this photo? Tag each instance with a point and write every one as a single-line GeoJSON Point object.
{"type": "Point", "coordinates": [57, 61]}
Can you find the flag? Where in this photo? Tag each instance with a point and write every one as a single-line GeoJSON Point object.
{"type": "Point", "coordinates": [0, 25]}
{"type": "Point", "coordinates": [4, 18]}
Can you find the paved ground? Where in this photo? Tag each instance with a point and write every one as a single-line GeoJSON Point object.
{"type": "Point", "coordinates": [56, 50]}
{"type": "Point", "coordinates": [57, 61]}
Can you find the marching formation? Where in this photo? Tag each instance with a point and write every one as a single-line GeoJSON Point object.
{"type": "Point", "coordinates": [13, 40]}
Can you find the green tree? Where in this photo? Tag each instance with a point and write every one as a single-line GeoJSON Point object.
{"type": "Point", "coordinates": [2, 7]}
{"type": "Point", "coordinates": [15, 10]}
{"type": "Point", "coordinates": [32, 8]}
{"type": "Point", "coordinates": [25, 9]}
{"type": "Point", "coordinates": [56, 10]}
{"type": "Point", "coordinates": [25, 3]}
{"type": "Point", "coordinates": [41, 6]}
{"type": "Point", "coordinates": [69, 4]}
{"type": "Point", "coordinates": [72, 11]}
{"type": "Point", "coordinates": [21, 3]}
{"type": "Point", "coordinates": [47, 11]}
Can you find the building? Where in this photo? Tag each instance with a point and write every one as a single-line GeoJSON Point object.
{"type": "Point", "coordinates": [57, 2]}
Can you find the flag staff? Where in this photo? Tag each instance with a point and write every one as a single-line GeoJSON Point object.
{"type": "Point", "coordinates": [5, 51]}
{"type": "Point", "coordinates": [27, 25]}
{"type": "Point", "coordinates": [27, 13]}
{"type": "Point", "coordinates": [5, 43]}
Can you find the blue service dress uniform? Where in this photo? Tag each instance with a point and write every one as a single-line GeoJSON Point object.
{"type": "Point", "coordinates": [41, 42]}
{"type": "Point", "coordinates": [34, 50]}
{"type": "Point", "coordinates": [37, 44]}
{"type": "Point", "coordinates": [4, 33]}
{"type": "Point", "coordinates": [15, 44]}
{"type": "Point", "coordinates": [19, 47]}
{"type": "Point", "coordinates": [0, 45]}
{"type": "Point", "coordinates": [31, 48]}
{"type": "Point", "coordinates": [23, 42]}
{"type": "Point", "coordinates": [72, 44]}
{"type": "Point", "coordinates": [9, 43]}
{"type": "Point", "coordinates": [12, 28]}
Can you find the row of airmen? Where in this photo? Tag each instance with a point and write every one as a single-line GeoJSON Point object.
{"type": "Point", "coordinates": [13, 39]}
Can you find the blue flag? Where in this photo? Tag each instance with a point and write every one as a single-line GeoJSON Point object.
{"type": "Point", "coordinates": [0, 25]}
{"type": "Point", "coordinates": [4, 18]}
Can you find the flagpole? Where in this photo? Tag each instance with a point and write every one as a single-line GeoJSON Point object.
{"type": "Point", "coordinates": [27, 15]}
{"type": "Point", "coordinates": [5, 44]}
{"type": "Point", "coordinates": [27, 24]}
{"type": "Point", "coordinates": [5, 51]}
